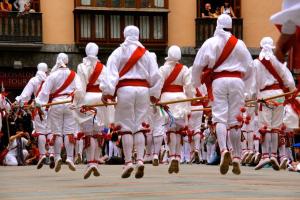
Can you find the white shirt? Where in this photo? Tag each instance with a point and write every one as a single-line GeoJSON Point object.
{"type": "Point", "coordinates": [55, 81]}
{"type": "Point", "coordinates": [146, 68]}
{"type": "Point", "coordinates": [239, 60]}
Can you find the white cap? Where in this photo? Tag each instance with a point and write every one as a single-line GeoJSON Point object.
{"type": "Point", "coordinates": [174, 53]}
{"type": "Point", "coordinates": [42, 67]}
{"type": "Point", "coordinates": [224, 21]}
{"type": "Point", "coordinates": [132, 32]}
{"type": "Point", "coordinates": [267, 43]}
{"type": "Point", "coordinates": [91, 49]}
{"type": "Point", "coordinates": [62, 59]}
{"type": "Point", "coordinates": [267, 48]}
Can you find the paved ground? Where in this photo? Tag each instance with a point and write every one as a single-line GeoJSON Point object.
{"type": "Point", "coordinates": [193, 182]}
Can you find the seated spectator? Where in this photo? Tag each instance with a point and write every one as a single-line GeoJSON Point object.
{"type": "Point", "coordinates": [5, 6]}
{"type": "Point", "coordinates": [17, 153]}
{"type": "Point", "coordinates": [227, 9]}
{"type": "Point", "coordinates": [207, 13]}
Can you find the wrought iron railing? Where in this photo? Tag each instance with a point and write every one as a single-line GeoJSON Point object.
{"type": "Point", "coordinates": [205, 28]}
{"type": "Point", "coordinates": [20, 28]}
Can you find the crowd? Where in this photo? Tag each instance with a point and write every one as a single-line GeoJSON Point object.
{"type": "Point", "coordinates": [226, 109]}
{"type": "Point", "coordinates": [21, 6]}
{"type": "Point", "coordinates": [208, 12]}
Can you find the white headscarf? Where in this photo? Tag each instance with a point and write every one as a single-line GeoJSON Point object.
{"type": "Point", "coordinates": [174, 54]}
{"type": "Point", "coordinates": [61, 61]}
{"type": "Point", "coordinates": [42, 67]}
{"type": "Point", "coordinates": [131, 34]}
{"type": "Point", "coordinates": [91, 51]}
{"type": "Point", "coordinates": [224, 21]}
{"type": "Point", "coordinates": [267, 48]}
{"type": "Point", "coordinates": [41, 73]}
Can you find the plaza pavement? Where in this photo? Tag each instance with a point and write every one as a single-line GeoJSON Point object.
{"type": "Point", "coordinates": [193, 182]}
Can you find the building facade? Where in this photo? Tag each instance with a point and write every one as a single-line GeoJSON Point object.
{"type": "Point", "coordinates": [67, 25]}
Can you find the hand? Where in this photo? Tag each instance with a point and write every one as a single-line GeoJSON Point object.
{"type": "Point", "coordinates": [37, 105]}
{"type": "Point", "coordinates": [107, 97]}
{"type": "Point", "coordinates": [72, 107]}
{"type": "Point", "coordinates": [154, 100]}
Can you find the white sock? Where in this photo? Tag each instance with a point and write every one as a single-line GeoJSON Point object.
{"type": "Point", "coordinates": [265, 147]}
{"type": "Point", "coordinates": [274, 143]}
{"type": "Point", "coordinates": [149, 144]}
{"type": "Point", "coordinates": [127, 142]}
{"type": "Point", "coordinates": [250, 141]}
{"type": "Point", "coordinates": [139, 143]}
{"type": "Point", "coordinates": [178, 146]}
{"type": "Point", "coordinates": [221, 134]}
{"type": "Point", "coordinates": [69, 148]}
{"type": "Point", "coordinates": [42, 145]}
{"type": "Point", "coordinates": [57, 147]}
{"type": "Point", "coordinates": [235, 138]}
{"type": "Point", "coordinates": [157, 140]}
{"type": "Point", "coordinates": [172, 145]}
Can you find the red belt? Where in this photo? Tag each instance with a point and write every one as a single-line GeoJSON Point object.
{"type": "Point", "coordinates": [227, 74]}
{"type": "Point", "coordinates": [93, 88]}
{"type": "Point", "coordinates": [173, 88]}
{"type": "Point", "coordinates": [133, 82]}
{"type": "Point", "coordinates": [197, 104]}
{"type": "Point", "coordinates": [274, 86]}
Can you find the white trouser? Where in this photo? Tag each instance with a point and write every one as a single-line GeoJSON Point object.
{"type": "Point", "coordinates": [211, 148]}
{"type": "Point", "coordinates": [132, 108]}
{"type": "Point", "coordinates": [186, 150]}
{"type": "Point", "coordinates": [113, 150]}
{"type": "Point", "coordinates": [11, 160]}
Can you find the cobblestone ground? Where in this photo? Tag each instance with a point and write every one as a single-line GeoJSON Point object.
{"type": "Point", "coordinates": [193, 182]}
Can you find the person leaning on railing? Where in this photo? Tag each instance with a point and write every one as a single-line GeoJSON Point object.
{"type": "Point", "coordinates": [5, 6]}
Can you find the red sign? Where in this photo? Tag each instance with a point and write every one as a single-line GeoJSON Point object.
{"type": "Point", "coordinates": [15, 78]}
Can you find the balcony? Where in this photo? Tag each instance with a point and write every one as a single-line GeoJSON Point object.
{"type": "Point", "coordinates": [18, 30]}
{"type": "Point", "coordinates": [205, 28]}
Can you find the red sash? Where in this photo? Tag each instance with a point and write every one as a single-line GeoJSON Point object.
{"type": "Point", "coordinates": [268, 65]}
{"type": "Point", "coordinates": [67, 82]}
{"type": "Point", "coordinates": [93, 78]}
{"type": "Point", "coordinates": [207, 74]}
{"type": "Point", "coordinates": [197, 103]}
{"type": "Point", "coordinates": [168, 87]}
{"type": "Point", "coordinates": [134, 58]}
{"type": "Point", "coordinates": [40, 88]}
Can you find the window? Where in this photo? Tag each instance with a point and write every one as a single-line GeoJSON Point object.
{"type": "Point", "coordinates": [104, 21]}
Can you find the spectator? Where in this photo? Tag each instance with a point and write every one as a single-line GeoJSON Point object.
{"type": "Point", "coordinates": [227, 9]}
{"type": "Point", "coordinates": [207, 13]}
{"type": "Point", "coordinates": [5, 6]}
{"type": "Point", "coordinates": [20, 5]}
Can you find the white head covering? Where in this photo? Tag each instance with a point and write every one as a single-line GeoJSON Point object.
{"type": "Point", "coordinates": [61, 61]}
{"type": "Point", "coordinates": [224, 21]}
{"type": "Point", "coordinates": [267, 48]}
{"type": "Point", "coordinates": [174, 54]}
{"type": "Point", "coordinates": [131, 34]}
{"type": "Point", "coordinates": [91, 51]}
{"type": "Point", "coordinates": [42, 67]}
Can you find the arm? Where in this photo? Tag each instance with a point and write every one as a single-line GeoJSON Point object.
{"type": "Point", "coordinates": [81, 75]}
{"type": "Point", "coordinates": [109, 82]}
{"type": "Point", "coordinates": [15, 4]}
{"type": "Point", "coordinates": [79, 92]}
{"type": "Point", "coordinates": [43, 96]}
{"type": "Point", "coordinates": [232, 13]}
{"type": "Point", "coordinates": [187, 83]}
{"type": "Point", "coordinates": [155, 79]}
{"type": "Point", "coordinates": [27, 92]}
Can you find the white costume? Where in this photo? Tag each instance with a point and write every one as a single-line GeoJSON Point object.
{"type": "Point", "coordinates": [270, 113]}
{"type": "Point", "coordinates": [133, 87]}
{"type": "Point", "coordinates": [34, 87]}
{"type": "Point", "coordinates": [90, 72]}
{"type": "Point", "coordinates": [227, 86]}
{"type": "Point", "coordinates": [176, 86]}
{"type": "Point", "coordinates": [195, 121]}
{"type": "Point", "coordinates": [60, 116]}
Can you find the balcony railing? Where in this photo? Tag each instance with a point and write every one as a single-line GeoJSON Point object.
{"type": "Point", "coordinates": [17, 28]}
{"type": "Point", "coordinates": [205, 28]}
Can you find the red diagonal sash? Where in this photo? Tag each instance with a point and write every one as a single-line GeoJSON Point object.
{"type": "Point", "coordinates": [134, 58]}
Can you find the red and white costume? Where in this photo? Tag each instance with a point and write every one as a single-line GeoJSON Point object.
{"type": "Point", "coordinates": [177, 85]}
{"type": "Point", "coordinates": [91, 123]}
{"type": "Point", "coordinates": [272, 77]}
{"type": "Point", "coordinates": [34, 87]}
{"type": "Point", "coordinates": [195, 121]}
{"type": "Point", "coordinates": [132, 75]}
{"type": "Point", "coordinates": [227, 60]}
{"type": "Point", "coordinates": [61, 85]}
